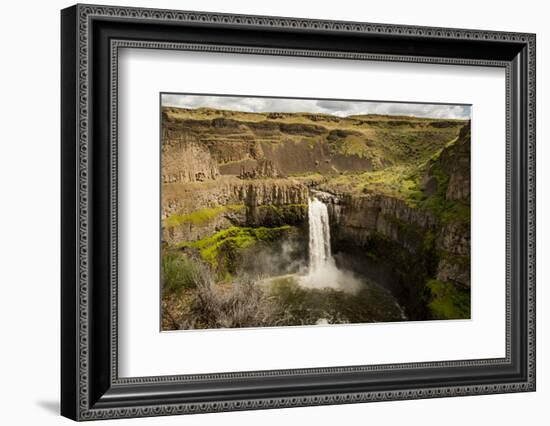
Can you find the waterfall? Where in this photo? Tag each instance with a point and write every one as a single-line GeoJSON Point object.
{"type": "Point", "coordinates": [322, 271]}
{"type": "Point", "coordinates": [319, 236]}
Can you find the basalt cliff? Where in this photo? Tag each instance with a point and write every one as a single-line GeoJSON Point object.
{"type": "Point", "coordinates": [397, 190]}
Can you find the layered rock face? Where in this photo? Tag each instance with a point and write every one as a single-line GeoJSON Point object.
{"type": "Point", "coordinates": [282, 144]}
{"type": "Point", "coordinates": [453, 242]}
{"type": "Point", "coordinates": [232, 202]}
{"type": "Point", "coordinates": [416, 244]}
{"type": "Point", "coordinates": [223, 169]}
{"type": "Point", "coordinates": [360, 217]}
{"type": "Point", "coordinates": [244, 147]}
{"type": "Point", "coordinates": [184, 161]}
{"type": "Point", "coordinates": [385, 239]}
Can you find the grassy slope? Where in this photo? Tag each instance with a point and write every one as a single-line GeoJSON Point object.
{"type": "Point", "coordinates": [384, 140]}
{"type": "Point", "coordinates": [404, 181]}
{"type": "Point", "coordinates": [401, 150]}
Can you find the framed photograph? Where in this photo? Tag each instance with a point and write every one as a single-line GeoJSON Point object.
{"type": "Point", "coordinates": [263, 212]}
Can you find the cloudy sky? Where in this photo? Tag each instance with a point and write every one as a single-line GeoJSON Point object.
{"type": "Point", "coordinates": [340, 108]}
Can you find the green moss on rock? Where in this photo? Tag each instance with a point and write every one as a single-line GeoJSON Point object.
{"type": "Point", "coordinates": [278, 215]}
{"type": "Point", "coordinates": [202, 216]}
{"type": "Point", "coordinates": [220, 249]}
{"type": "Point", "coordinates": [448, 301]}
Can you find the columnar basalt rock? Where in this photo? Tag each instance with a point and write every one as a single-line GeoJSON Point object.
{"type": "Point", "coordinates": [296, 143]}
{"type": "Point", "coordinates": [223, 169]}
{"type": "Point", "coordinates": [359, 217]}
{"type": "Point", "coordinates": [265, 202]}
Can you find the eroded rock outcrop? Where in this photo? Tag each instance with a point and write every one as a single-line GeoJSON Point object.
{"type": "Point", "coordinates": [222, 169]}
{"type": "Point", "coordinates": [362, 216]}
{"type": "Point", "coordinates": [453, 242]}
{"type": "Point", "coordinates": [301, 143]}
{"type": "Point", "coordinates": [231, 201]}
{"type": "Point", "coordinates": [184, 161]}
{"type": "Point", "coordinates": [430, 241]}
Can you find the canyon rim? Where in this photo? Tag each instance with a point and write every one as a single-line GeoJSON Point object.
{"type": "Point", "coordinates": [302, 212]}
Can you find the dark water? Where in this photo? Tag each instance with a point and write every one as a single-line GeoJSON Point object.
{"type": "Point", "coordinates": [366, 302]}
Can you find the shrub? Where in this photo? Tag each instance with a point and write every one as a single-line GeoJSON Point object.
{"type": "Point", "coordinates": [178, 272]}
{"type": "Point", "coordinates": [244, 304]}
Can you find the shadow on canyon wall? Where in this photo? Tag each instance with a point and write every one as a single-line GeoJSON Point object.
{"type": "Point", "coordinates": [236, 190]}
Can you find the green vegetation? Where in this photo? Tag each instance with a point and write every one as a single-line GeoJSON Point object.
{"type": "Point", "coordinates": [362, 160]}
{"type": "Point", "coordinates": [446, 210]}
{"type": "Point", "coordinates": [285, 214]}
{"type": "Point", "coordinates": [224, 244]}
{"type": "Point", "coordinates": [404, 181]}
{"type": "Point", "coordinates": [202, 216]}
{"type": "Point", "coordinates": [397, 181]}
{"type": "Point", "coordinates": [242, 304]}
{"type": "Point", "coordinates": [410, 143]}
{"type": "Point", "coordinates": [203, 304]}
{"type": "Point", "coordinates": [178, 272]}
{"type": "Point", "coordinates": [354, 145]}
{"type": "Point", "coordinates": [448, 301]}
{"type": "Point", "coordinates": [295, 142]}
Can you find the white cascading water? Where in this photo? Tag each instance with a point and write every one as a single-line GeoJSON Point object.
{"type": "Point", "coordinates": [322, 271]}
{"type": "Point", "coordinates": [319, 236]}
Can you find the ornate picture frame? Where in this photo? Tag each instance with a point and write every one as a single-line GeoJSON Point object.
{"type": "Point", "coordinates": [91, 37]}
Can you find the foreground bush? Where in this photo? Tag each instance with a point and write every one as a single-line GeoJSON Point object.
{"type": "Point", "coordinates": [242, 304]}
{"type": "Point", "coordinates": [178, 272]}
{"type": "Point", "coordinates": [192, 300]}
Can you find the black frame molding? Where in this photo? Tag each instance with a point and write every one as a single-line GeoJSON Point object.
{"type": "Point", "coordinates": [90, 38]}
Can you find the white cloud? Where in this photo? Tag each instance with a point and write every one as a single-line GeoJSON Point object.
{"type": "Point", "coordinates": [340, 108]}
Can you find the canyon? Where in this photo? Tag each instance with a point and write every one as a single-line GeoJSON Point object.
{"type": "Point", "coordinates": [396, 190]}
